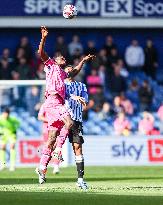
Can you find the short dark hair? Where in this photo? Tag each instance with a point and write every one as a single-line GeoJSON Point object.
{"type": "Point", "coordinates": [6, 110]}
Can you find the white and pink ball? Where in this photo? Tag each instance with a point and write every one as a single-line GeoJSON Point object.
{"type": "Point", "coordinates": [69, 11]}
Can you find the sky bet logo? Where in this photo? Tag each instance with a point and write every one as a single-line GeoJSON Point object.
{"type": "Point", "coordinates": [116, 8]}
{"type": "Point", "coordinates": [127, 150]}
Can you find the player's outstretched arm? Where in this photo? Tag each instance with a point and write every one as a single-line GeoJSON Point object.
{"type": "Point", "coordinates": [78, 68]}
{"type": "Point", "coordinates": [41, 51]}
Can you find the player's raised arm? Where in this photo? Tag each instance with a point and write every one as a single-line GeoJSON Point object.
{"type": "Point", "coordinates": [78, 68]}
{"type": "Point", "coordinates": [41, 51]}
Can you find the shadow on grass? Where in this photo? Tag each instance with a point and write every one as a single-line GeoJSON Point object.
{"type": "Point", "coordinates": [43, 198]}
{"type": "Point", "coordinates": [8, 181]}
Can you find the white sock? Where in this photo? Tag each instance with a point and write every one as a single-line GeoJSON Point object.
{"type": "Point", "coordinates": [56, 166]}
{"type": "Point", "coordinates": [42, 167]}
{"type": "Point", "coordinates": [80, 180]}
{"type": "Point", "coordinates": [58, 149]}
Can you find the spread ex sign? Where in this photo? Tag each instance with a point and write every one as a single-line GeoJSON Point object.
{"type": "Point", "coordinates": [116, 8]}
{"type": "Point", "coordinates": [91, 8]}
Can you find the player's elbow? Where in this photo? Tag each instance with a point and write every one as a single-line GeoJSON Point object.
{"type": "Point", "coordinates": [39, 117]}
{"type": "Point", "coordinates": [40, 52]}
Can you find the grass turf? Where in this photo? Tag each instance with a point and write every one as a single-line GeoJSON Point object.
{"type": "Point", "coordinates": [108, 185]}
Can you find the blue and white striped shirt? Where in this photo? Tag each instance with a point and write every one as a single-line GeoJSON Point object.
{"type": "Point", "coordinates": [75, 108]}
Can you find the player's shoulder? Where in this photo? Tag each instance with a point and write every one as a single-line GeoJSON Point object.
{"type": "Point", "coordinates": [83, 85]}
{"type": "Point", "coordinates": [50, 62]}
{"type": "Point", "coordinates": [13, 119]}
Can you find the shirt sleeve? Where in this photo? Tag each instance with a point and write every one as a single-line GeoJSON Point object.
{"type": "Point", "coordinates": [85, 93]}
{"type": "Point", "coordinates": [41, 111]}
{"type": "Point", "coordinates": [16, 123]}
{"type": "Point", "coordinates": [48, 64]}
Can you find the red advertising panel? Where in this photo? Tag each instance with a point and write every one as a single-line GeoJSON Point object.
{"type": "Point", "coordinates": [155, 147]}
{"type": "Point", "coordinates": [30, 151]}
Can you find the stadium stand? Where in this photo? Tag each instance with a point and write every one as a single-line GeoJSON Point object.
{"type": "Point", "coordinates": [20, 62]}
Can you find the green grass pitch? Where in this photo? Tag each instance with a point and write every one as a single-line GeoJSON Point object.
{"type": "Point", "coordinates": [107, 185]}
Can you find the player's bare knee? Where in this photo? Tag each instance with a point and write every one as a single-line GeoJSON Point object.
{"type": "Point", "coordinates": [12, 146]}
{"type": "Point", "coordinates": [52, 138]}
{"type": "Point", "coordinates": [69, 124]}
{"type": "Point", "coordinates": [77, 149]}
{"type": "Point", "coordinates": [3, 147]}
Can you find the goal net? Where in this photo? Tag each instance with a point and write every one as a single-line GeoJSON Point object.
{"type": "Point", "coordinates": [24, 98]}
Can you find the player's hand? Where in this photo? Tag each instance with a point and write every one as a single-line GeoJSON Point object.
{"type": "Point", "coordinates": [44, 31]}
{"type": "Point", "coordinates": [89, 57]}
{"type": "Point", "coordinates": [79, 100]}
{"type": "Point", "coordinates": [82, 101]}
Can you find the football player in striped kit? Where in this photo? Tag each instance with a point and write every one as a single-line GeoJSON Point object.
{"type": "Point", "coordinates": [76, 98]}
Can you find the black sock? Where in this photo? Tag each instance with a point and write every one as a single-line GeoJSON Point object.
{"type": "Point", "coordinates": [80, 169]}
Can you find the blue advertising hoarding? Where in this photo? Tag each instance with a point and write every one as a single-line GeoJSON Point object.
{"type": "Point", "coordinates": [97, 8]}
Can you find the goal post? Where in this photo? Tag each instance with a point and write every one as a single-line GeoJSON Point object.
{"type": "Point", "coordinates": [24, 98]}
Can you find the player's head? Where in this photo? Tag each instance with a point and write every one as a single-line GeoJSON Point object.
{"type": "Point", "coordinates": [60, 60]}
{"type": "Point", "coordinates": [6, 112]}
{"type": "Point", "coordinates": [68, 68]}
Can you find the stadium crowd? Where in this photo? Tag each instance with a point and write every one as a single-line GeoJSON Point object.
{"type": "Point", "coordinates": [119, 86]}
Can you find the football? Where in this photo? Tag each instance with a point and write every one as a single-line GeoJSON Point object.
{"type": "Point", "coordinates": [69, 11]}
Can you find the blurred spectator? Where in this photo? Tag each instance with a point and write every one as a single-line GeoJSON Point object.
{"type": "Point", "coordinates": [25, 45]}
{"type": "Point", "coordinates": [33, 100]}
{"type": "Point", "coordinates": [121, 125]}
{"type": "Point", "coordinates": [5, 69]}
{"type": "Point", "coordinates": [37, 61]}
{"type": "Point", "coordinates": [126, 104]}
{"type": "Point", "coordinates": [117, 108]}
{"type": "Point", "coordinates": [134, 56]}
{"type": "Point", "coordinates": [76, 55]}
{"type": "Point", "coordinates": [40, 72]}
{"type": "Point", "coordinates": [20, 54]}
{"type": "Point", "coordinates": [97, 100]}
{"type": "Point", "coordinates": [6, 55]}
{"type": "Point", "coordinates": [80, 75]}
{"type": "Point", "coordinates": [151, 59]}
{"type": "Point", "coordinates": [101, 59]}
{"type": "Point", "coordinates": [23, 70]}
{"type": "Point", "coordinates": [113, 57]}
{"type": "Point", "coordinates": [146, 125]}
{"type": "Point", "coordinates": [5, 96]}
{"type": "Point", "coordinates": [160, 115]}
{"type": "Point", "coordinates": [109, 44]}
{"type": "Point", "coordinates": [117, 83]}
{"type": "Point", "coordinates": [132, 92]}
{"type": "Point", "coordinates": [91, 49]}
{"type": "Point", "coordinates": [93, 81]}
{"type": "Point", "coordinates": [105, 112]}
{"type": "Point", "coordinates": [102, 74]}
{"type": "Point", "coordinates": [123, 71]}
{"type": "Point", "coordinates": [160, 112]}
{"type": "Point", "coordinates": [61, 46]}
{"type": "Point", "coordinates": [75, 45]}
{"type": "Point", "coordinates": [145, 96]}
